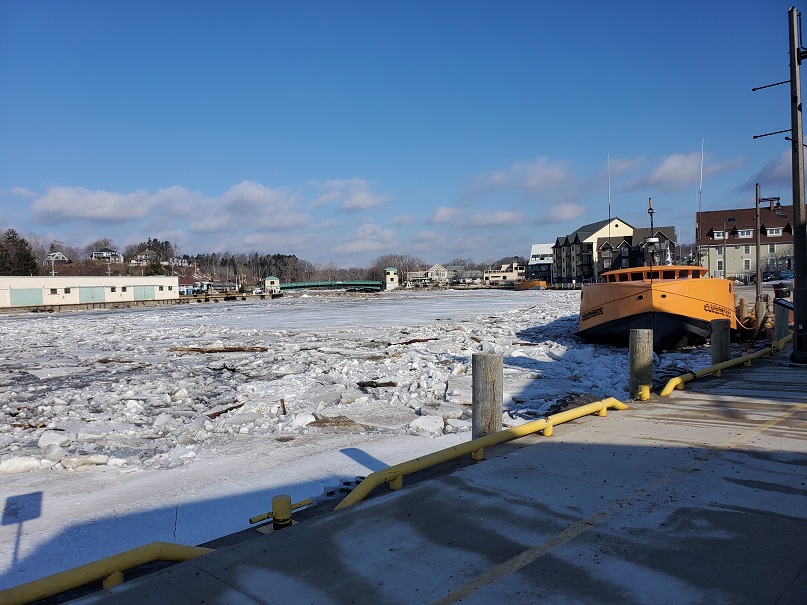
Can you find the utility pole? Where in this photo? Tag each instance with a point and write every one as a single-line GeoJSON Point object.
{"type": "Point", "coordinates": [799, 354]}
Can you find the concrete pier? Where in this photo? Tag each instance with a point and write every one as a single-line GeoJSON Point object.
{"type": "Point", "coordinates": [695, 498]}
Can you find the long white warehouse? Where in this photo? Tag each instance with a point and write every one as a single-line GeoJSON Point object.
{"type": "Point", "coordinates": [56, 291]}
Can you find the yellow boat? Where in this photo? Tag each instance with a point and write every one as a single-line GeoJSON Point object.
{"type": "Point", "coordinates": [530, 284]}
{"type": "Point", "coordinates": [677, 302]}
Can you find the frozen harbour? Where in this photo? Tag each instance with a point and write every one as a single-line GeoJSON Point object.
{"type": "Point", "coordinates": [113, 434]}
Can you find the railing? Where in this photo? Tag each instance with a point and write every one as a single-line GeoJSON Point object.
{"type": "Point", "coordinates": [679, 381]}
{"type": "Point", "coordinates": [476, 447]}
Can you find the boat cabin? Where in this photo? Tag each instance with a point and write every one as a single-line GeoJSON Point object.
{"type": "Point", "coordinates": [650, 273]}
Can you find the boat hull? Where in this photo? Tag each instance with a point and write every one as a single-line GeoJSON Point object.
{"type": "Point", "coordinates": [530, 284]}
{"type": "Point", "coordinates": [679, 311]}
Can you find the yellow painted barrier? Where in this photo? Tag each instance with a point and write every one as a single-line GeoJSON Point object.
{"type": "Point", "coordinates": [99, 570]}
{"type": "Point", "coordinates": [679, 381]}
{"type": "Point", "coordinates": [394, 474]}
{"type": "Point", "coordinates": [271, 514]}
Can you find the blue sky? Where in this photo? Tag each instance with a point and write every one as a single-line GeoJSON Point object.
{"type": "Point", "coordinates": [342, 131]}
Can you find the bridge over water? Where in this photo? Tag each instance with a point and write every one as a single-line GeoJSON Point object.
{"type": "Point", "coordinates": [358, 285]}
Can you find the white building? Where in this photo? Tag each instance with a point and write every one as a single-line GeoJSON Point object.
{"type": "Point", "coordinates": [390, 278]}
{"type": "Point", "coordinates": [508, 275]}
{"type": "Point", "coordinates": [47, 290]}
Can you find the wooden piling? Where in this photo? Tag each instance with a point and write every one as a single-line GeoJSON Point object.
{"type": "Point", "coordinates": [486, 405]}
{"type": "Point", "coordinates": [640, 363]}
{"type": "Point", "coordinates": [721, 338]}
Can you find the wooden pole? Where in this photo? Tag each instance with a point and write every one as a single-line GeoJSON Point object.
{"type": "Point", "coordinates": [721, 337]}
{"type": "Point", "coordinates": [487, 374]}
{"type": "Point", "coordinates": [640, 363]}
{"type": "Point", "coordinates": [743, 308]}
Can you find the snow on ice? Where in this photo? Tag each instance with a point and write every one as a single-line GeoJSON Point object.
{"type": "Point", "coordinates": [100, 410]}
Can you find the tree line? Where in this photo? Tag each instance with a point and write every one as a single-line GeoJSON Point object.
{"type": "Point", "coordinates": [21, 256]}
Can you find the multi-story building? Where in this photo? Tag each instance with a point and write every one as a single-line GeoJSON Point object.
{"type": "Point", "coordinates": [507, 275]}
{"type": "Point", "coordinates": [576, 257]}
{"type": "Point", "coordinates": [727, 241]}
{"type": "Point", "coordinates": [540, 263]}
{"type": "Point", "coordinates": [634, 251]}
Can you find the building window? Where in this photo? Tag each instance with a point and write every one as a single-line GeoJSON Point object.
{"type": "Point", "coordinates": [772, 248]}
{"type": "Point", "coordinates": [123, 289]}
{"type": "Point", "coordinates": [719, 251]}
{"type": "Point", "coordinates": [170, 288]}
{"type": "Point", "coordinates": [747, 249]}
{"type": "Point", "coordinates": [731, 219]}
{"type": "Point", "coordinates": [67, 290]}
{"type": "Point", "coordinates": [113, 289]}
{"type": "Point", "coordinates": [720, 265]}
{"type": "Point", "coordinates": [746, 264]}
{"type": "Point", "coordinates": [161, 288]}
{"type": "Point", "coordinates": [54, 291]}
{"type": "Point", "coordinates": [745, 233]}
{"type": "Point", "coordinates": [774, 231]}
{"type": "Point", "coordinates": [718, 235]}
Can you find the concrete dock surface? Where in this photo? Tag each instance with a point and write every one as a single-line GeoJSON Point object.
{"type": "Point", "coordinates": [700, 497]}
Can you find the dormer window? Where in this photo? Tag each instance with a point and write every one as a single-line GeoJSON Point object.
{"type": "Point", "coordinates": [774, 231]}
{"type": "Point", "coordinates": [719, 235]}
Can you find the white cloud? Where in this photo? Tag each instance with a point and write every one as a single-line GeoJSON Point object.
{"type": "Point", "coordinates": [561, 212]}
{"type": "Point", "coordinates": [444, 214]}
{"type": "Point", "coordinates": [500, 217]}
{"type": "Point", "coordinates": [77, 203]}
{"type": "Point", "coordinates": [535, 177]}
{"type": "Point", "coordinates": [350, 194]}
{"type": "Point", "coordinates": [367, 238]}
{"type": "Point", "coordinates": [23, 192]}
{"type": "Point", "coordinates": [402, 220]}
{"type": "Point", "coordinates": [249, 205]}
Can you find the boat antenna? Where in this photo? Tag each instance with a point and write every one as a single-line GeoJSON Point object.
{"type": "Point", "coordinates": [610, 248]}
{"type": "Point", "coordinates": [698, 211]}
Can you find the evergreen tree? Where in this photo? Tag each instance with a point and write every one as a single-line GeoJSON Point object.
{"type": "Point", "coordinates": [16, 256]}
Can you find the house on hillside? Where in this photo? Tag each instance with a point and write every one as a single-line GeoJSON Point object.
{"type": "Point", "coordinates": [57, 258]}
{"type": "Point", "coordinates": [727, 240]}
{"type": "Point", "coordinates": [143, 259]}
{"type": "Point", "coordinates": [107, 255]}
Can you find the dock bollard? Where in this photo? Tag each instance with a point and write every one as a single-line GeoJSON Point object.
{"type": "Point", "coordinates": [640, 363]}
{"type": "Point", "coordinates": [721, 332]}
{"type": "Point", "coordinates": [281, 511]}
{"type": "Point", "coordinates": [487, 375]}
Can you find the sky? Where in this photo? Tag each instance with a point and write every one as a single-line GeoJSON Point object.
{"type": "Point", "coordinates": [341, 132]}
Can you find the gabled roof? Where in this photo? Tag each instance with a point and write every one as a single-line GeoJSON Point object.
{"type": "Point", "coordinates": [586, 231]}
{"type": "Point", "coordinates": [642, 233]}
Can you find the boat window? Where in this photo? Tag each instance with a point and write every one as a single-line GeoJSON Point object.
{"type": "Point", "coordinates": [612, 278]}
{"type": "Point", "coordinates": [668, 275]}
{"type": "Point", "coordinates": [696, 274]}
{"type": "Point", "coordinates": [636, 276]}
{"type": "Point", "coordinates": [623, 277]}
{"type": "Point", "coordinates": [684, 273]}
{"type": "Point", "coordinates": [654, 275]}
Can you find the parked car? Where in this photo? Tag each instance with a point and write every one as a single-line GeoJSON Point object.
{"type": "Point", "coordinates": [784, 275]}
